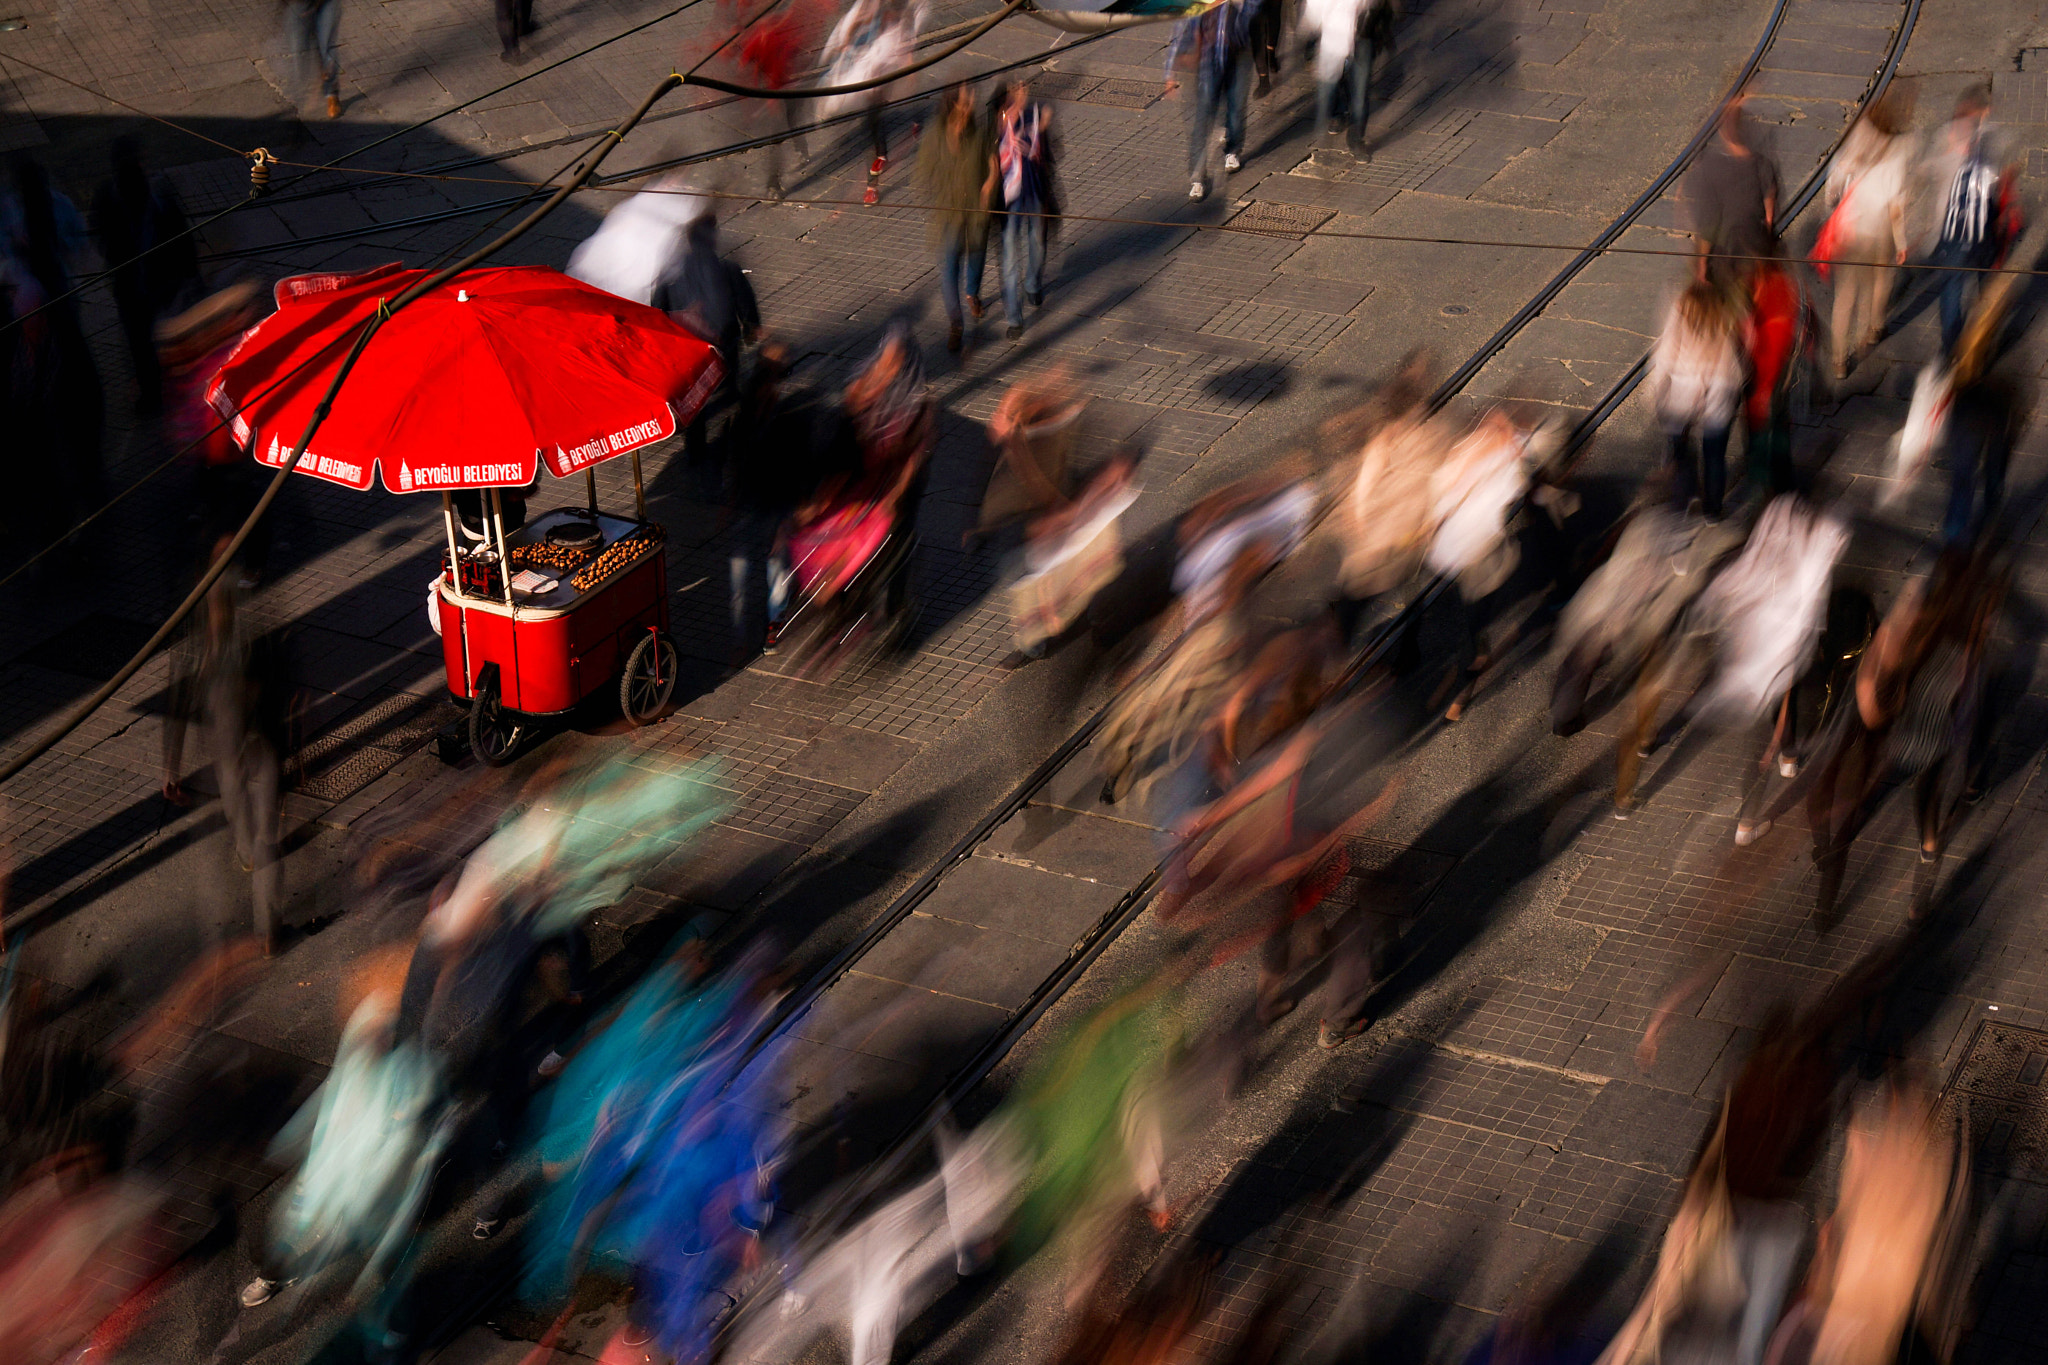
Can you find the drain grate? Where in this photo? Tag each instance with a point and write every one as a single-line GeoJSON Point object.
{"type": "Point", "coordinates": [1118, 93]}
{"type": "Point", "coordinates": [1063, 85]}
{"type": "Point", "coordinates": [1285, 220]}
{"type": "Point", "coordinates": [2000, 1091]}
{"type": "Point", "coordinates": [361, 749]}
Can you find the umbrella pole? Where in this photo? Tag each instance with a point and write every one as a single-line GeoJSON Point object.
{"type": "Point", "coordinates": [448, 525]}
{"type": "Point", "coordinates": [590, 487]}
{"type": "Point", "coordinates": [639, 493]}
{"type": "Point", "coordinates": [498, 533]}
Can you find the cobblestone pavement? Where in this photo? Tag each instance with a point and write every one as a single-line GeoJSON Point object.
{"type": "Point", "coordinates": [1495, 1138]}
{"type": "Point", "coordinates": [1496, 1126]}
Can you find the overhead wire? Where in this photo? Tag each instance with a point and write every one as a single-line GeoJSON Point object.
{"type": "Point", "coordinates": [384, 311]}
{"type": "Point", "coordinates": [508, 206]}
{"type": "Point", "coordinates": [335, 164]}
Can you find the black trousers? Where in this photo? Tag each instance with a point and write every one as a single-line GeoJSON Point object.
{"type": "Point", "coordinates": [515, 20]}
{"type": "Point", "coordinates": [1265, 37]}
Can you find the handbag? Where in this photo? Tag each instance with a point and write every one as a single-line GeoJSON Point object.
{"type": "Point", "coordinates": [1825, 245]}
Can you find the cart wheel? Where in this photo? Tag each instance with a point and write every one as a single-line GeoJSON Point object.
{"type": "Point", "coordinates": [494, 736]}
{"type": "Point", "coordinates": [648, 679]}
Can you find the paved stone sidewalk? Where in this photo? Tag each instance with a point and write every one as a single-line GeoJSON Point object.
{"type": "Point", "coordinates": [1206, 349]}
{"type": "Point", "coordinates": [1494, 1139]}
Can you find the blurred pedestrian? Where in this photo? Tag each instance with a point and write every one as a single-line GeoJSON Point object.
{"type": "Point", "coordinates": [1383, 512]}
{"type": "Point", "coordinates": [1696, 376]}
{"type": "Point", "coordinates": [892, 418]}
{"type": "Point", "coordinates": [776, 465]}
{"type": "Point", "coordinates": [1628, 606]}
{"type": "Point", "coordinates": [1351, 34]}
{"type": "Point", "coordinates": [363, 1151]}
{"type": "Point", "coordinates": [1886, 1247]}
{"type": "Point", "coordinates": [1980, 215]}
{"type": "Point", "coordinates": [769, 54]}
{"type": "Point", "coordinates": [1216, 44]}
{"type": "Point", "coordinates": [1025, 161]}
{"type": "Point", "coordinates": [1264, 35]}
{"type": "Point", "coordinates": [310, 28]}
{"type": "Point", "coordinates": [1755, 628]}
{"type": "Point", "coordinates": [1733, 187]}
{"type": "Point", "coordinates": [879, 1275]}
{"type": "Point", "coordinates": [1983, 421]}
{"type": "Point", "coordinates": [515, 21]}
{"type": "Point", "coordinates": [1778, 338]}
{"type": "Point", "coordinates": [1475, 493]}
{"type": "Point", "coordinates": [1864, 240]}
{"type": "Point", "coordinates": [640, 240]}
{"type": "Point", "coordinates": [232, 681]}
{"type": "Point", "coordinates": [714, 299]}
{"type": "Point", "coordinates": [872, 39]}
{"type": "Point", "coordinates": [956, 178]}
{"type": "Point", "coordinates": [1068, 512]}
{"type": "Point", "coordinates": [146, 245]}
{"type": "Point", "coordinates": [1919, 696]}
{"type": "Point", "coordinates": [227, 482]}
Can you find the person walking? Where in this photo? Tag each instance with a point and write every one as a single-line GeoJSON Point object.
{"type": "Point", "coordinates": [1734, 192]}
{"type": "Point", "coordinates": [1265, 40]}
{"type": "Point", "coordinates": [143, 241]}
{"type": "Point", "coordinates": [310, 27]}
{"type": "Point", "coordinates": [713, 298]}
{"type": "Point", "coordinates": [956, 176]}
{"type": "Point", "coordinates": [515, 21]}
{"type": "Point", "coordinates": [1979, 215]}
{"type": "Point", "coordinates": [231, 680]}
{"type": "Point", "coordinates": [1024, 167]}
{"type": "Point", "coordinates": [1216, 44]}
{"type": "Point", "coordinates": [1695, 379]}
{"type": "Point", "coordinates": [1351, 34]}
{"type": "Point", "coordinates": [1864, 241]}
{"type": "Point", "coordinates": [873, 38]}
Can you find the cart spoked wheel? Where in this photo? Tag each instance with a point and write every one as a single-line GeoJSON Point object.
{"type": "Point", "coordinates": [648, 679]}
{"type": "Point", "coordinates": [494, 734]}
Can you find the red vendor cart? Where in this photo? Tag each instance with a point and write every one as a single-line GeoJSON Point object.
{"type": "Point", "coordinates": [467, 393]}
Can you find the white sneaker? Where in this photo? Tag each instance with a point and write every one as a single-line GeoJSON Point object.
{"type": "Point", "coordinates": [1788, 767]}
{"type": "Point", "coordinates": [1197, 190]}
{"type": "Point", "coordinates": [258, 1292]}
{"type": "Point", "coordinates": [1747, 834]}
{"type": "Point", "coordinates": [1230, 162]}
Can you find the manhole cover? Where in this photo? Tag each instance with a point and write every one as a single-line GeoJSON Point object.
{"type": "Point", "coordinates": [1063, 85]}
{"type": "Point", "coordinates": [1292, 220]}
{"type": "Point", "coordinates": [2000, 1092]}
{"type": "Point", "coordinates": [1123, 94]}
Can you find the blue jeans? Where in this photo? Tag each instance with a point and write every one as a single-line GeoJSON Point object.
{"type": "Point", "coordinates": [1358, 72]}
{"type": "Point", "coordinates": [960, 269]}
{"type": "Point", "coordinates": [1957, 285]}
{"type": "Point", "coordinates": [310, 25]}
{"type": "Point", "coordinates": [1971, 458]}
{"type": "Point", "coordinates": [1227, 94]}
{"type": "Point", "coordinates": [1023, 259]}
{"type": "Point", "coordinates": [756, 540]}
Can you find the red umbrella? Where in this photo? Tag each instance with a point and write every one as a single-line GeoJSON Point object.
{"type": "Point", "coordinates": [468, 387]}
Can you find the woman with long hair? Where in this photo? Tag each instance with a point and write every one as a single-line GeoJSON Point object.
{"type": "Point", "coordinates": [1696, 377]}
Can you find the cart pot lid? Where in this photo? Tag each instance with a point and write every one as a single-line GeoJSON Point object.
{"type": "Point", "coordinates": [474, 385]}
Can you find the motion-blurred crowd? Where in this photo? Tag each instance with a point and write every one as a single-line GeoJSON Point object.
{"type": "Point", "coordinates": [634, 1133]}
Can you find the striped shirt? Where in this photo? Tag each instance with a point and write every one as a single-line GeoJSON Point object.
{"type": "Point", "coordinates": [1972, 199]}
